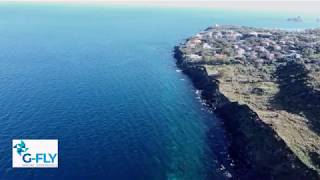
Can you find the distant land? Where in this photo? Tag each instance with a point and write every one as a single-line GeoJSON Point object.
{"type": "Point", "coordinates": [265, 86]}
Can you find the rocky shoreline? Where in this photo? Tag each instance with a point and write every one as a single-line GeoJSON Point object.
{"type": "Point", "coordinates": [259, 149]}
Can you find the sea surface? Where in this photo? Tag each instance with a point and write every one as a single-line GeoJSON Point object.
{"type": "Point", "coordinates": [102, 80]}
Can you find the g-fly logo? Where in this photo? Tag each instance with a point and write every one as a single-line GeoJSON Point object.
{"type": "Point", "coordinates": [34, 153]}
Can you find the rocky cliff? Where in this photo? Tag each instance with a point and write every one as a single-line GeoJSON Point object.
{"type": "Point", "coordinates": [264, 84]}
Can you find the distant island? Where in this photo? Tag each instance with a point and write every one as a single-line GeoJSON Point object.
{"type": "Point", "coordinates": [265, 86]}
{"type": "Point", "coordinates": [295, 19]}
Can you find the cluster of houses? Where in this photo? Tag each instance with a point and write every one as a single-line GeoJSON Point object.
{"type": "Point", "coordinates": [224, 43]}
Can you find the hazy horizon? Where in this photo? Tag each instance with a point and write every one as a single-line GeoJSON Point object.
{"type": "Point", "coordinates": [309, 7]}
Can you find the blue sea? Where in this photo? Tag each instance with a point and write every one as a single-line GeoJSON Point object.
{"type": "Point", "coordinates": [102, 80]}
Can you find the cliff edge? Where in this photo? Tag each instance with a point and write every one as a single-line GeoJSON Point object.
{"type": "Point", "coordinates": [265, 85]}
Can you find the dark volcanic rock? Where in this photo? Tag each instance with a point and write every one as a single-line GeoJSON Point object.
{"type": "Point", "coordinates": [258, 152]}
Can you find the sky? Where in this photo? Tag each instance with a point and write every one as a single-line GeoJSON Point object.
{"type": "Point", "coordinates": [298, 6]}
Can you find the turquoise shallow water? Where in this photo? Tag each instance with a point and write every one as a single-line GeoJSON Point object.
{"type": "Point", "coordinates": [103, 82]}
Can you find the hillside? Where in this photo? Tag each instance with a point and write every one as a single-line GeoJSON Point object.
{"type": "Point", "coordinates": [265, 84]}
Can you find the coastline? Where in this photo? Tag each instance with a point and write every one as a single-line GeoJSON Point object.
{"type": "Point", "coordinates": [256, 148]}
